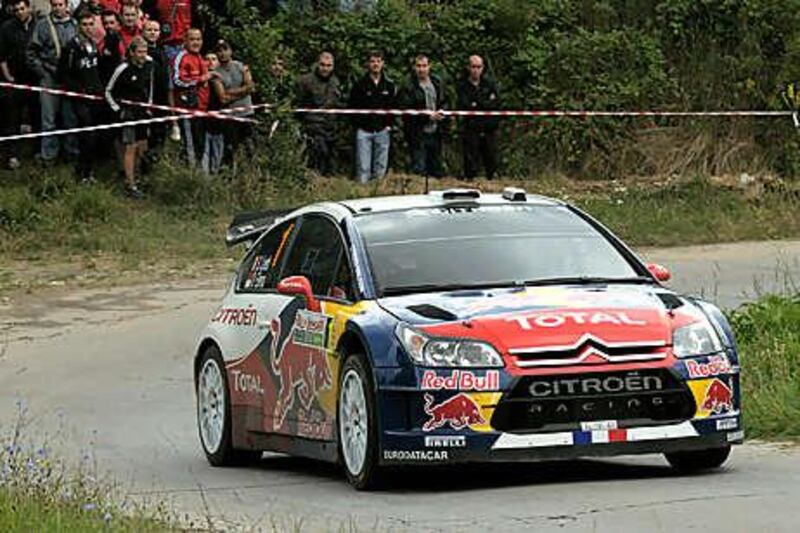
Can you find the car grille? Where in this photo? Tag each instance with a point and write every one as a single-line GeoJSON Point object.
{"type": "Point", "coordinates": [557, 403]}
{"type": "Point", "coordinates": [588, 350]}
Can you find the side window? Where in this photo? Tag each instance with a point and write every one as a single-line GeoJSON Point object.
{"type": "Point", "coordinates": [260, 270]}
{"type": "Point", "coordinates": [319, 255]}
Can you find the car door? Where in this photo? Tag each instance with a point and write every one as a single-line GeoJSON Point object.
{"type": "Point", "coordinates": [244, 328]}
{"type": "Point", "coordinates": [304, 369]}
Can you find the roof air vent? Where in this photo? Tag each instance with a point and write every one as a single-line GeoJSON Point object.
{"type": "Point", "coordinates": [459, 194]}
{"type": "Point", "coordinates": [514, 194]}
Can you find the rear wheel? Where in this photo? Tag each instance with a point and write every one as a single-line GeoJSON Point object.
{"type": "Point", "coordinates": [698, 460]}
{"type": "Point", "coordinates": [357, 424]}
{"type": "Point", "coordinates": [214, 413]}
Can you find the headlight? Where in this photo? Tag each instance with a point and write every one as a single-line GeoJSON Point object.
{"type": "Point", "coordinates": [698, 338]}
{"type": "Point", "coordinates": [427, 351]}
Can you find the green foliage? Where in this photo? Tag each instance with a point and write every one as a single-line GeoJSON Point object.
{"type": "Point", "coordinates": [18, 208]}
{"type": "Point", "coordinates": [40, 491]}
{"type": "Point", "coordinates": [91, 205]}
{"type": "Point", "coordinates": [562, 54]}
{"type": "Point", "coordinates": [769, 345]}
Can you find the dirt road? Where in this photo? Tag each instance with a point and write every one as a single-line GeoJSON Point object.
{"type": "Point", "coordinates": [112, 367]}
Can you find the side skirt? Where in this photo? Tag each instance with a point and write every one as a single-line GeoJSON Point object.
{"type": "Point", "coordinates": [243, 417]}
{"type": "Point", "coordinates": [297, 446]}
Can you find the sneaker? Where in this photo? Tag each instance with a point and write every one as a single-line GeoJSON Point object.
{"type": "Point", "coordinates": [175, 133]}
{"type": "Point", "coordinates": [88, 179]}
{"type": "Point", "coordinates": [134, 192]}
{"type": "Point", "coordinates": [13, 163]}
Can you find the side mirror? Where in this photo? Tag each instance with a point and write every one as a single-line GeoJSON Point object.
{"type": "Point", "coordinates": [661, 273]}
{"type": "Point", "coordinates": [299, 286]}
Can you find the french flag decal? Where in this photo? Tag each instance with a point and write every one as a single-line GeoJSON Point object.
{"type": "Point", "coordinates": [599, 437]}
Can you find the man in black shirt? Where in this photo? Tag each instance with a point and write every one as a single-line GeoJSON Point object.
{"type": "Point", "coordinates": [80, 73]}
{"type": "Point", "coordinates": [14, 36]}
{"type": "Point", "coordinates": [424, 132]}
{"type": "Point", "coordinates": [476, 92]}
{"type": "Point", "coordinates": [158, 131]}
{"type": "Point", "coordinates": [133, 81]}
{"type": "Point", "coordinates": [373, 91]}
{"type": "Point", "coordinates": [320, 89]}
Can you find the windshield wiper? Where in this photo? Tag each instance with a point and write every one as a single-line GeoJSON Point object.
{"type": "Point", "coordinates": [586, 280]}
{"type": "Point", "coordinates": [436, 287]}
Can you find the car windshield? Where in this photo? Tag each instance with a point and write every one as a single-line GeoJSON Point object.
{"type": "Point", "coordinates": [456, 247]}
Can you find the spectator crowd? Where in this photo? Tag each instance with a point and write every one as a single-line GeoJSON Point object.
{"type": "Point", "coordinates": [140, 55]}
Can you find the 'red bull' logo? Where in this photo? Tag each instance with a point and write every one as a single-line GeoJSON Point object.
{"type": "Point", "coordinates": [719, 398]}
{"type": "Point", "coordinates": [300, 363]}
{"type": "Point", "coordinates": [459, 411]}
{"type": "Point", "coordinates": [715, 366]}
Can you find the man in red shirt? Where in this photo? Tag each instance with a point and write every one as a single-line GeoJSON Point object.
{"type": "Point", "coordinates": [130, 24]}
{"type": "Point", "coordinates": [191, 76]}
{"type": "Point", "coordinates": [176, 19]}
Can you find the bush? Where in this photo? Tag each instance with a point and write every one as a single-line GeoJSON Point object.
{"type": "Point", "coordinates": [769, 345]}
{"type": "Point", "coordinates": [567, 54]}
{"type": "Point", "coordinates": [19, 209]}
{"type": "Point", "coordinates": [90, 205]}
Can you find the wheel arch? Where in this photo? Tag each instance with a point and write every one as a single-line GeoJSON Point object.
{"type": "Point", "coordinates": [205, 344]}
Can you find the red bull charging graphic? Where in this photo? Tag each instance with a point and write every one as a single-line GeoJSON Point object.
{"type": "Point", "coordinates": [459, 412]}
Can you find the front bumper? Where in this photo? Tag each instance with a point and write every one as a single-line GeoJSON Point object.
{"type": "Point", "coordinates": [463, 447]}
{"type": "Point", "coordinates": [452, 425]}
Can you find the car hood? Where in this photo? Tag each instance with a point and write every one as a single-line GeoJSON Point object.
{"type": "Point", "coordinates": [550, 317]}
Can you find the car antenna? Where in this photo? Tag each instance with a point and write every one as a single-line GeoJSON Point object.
{"type": "Point", "coordinates": [426, 183]}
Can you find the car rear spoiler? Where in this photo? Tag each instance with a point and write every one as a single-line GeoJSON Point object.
{"type": "Point", "coordinates": [249, 225]}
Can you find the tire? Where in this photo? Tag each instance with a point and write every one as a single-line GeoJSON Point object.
{"type": "Point", "coordinates": [361, 467]}
{"type": "Point", "coordinates": [699, 460]}
{"type": "Point", "coordinates": [214, 407]}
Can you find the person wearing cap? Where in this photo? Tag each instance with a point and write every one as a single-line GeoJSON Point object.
{"type": "Point", "coordinates": [233, 87]}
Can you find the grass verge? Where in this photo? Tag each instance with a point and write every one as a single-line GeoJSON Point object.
{"type": "Point", "coordinates": [39, 491]}
{"type": "Point", "coordinates": [53, 231]}
{"type": "Point", "coordinates": [768, 337]}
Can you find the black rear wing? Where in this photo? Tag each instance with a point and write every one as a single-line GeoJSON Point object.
{"type": "Point", "coordinates": [249, 225]}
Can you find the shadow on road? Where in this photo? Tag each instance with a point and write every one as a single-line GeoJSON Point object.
{"type": "Point", "coordinates": [467, 477]}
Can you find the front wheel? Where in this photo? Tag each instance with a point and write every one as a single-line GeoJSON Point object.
{"type": "Point", "coordinates": [357, 424]}
{"type": "Point", "coordinates": [698, 460]}
{"type": "Point", "coordinates": [214, 413]}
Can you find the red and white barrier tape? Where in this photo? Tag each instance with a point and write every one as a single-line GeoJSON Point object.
{"type": "Point", "coordinates": [222, 114]}
{"type": "Point", "coordinates": [545, 113]}
{"type": "Point", "coordinates": [97, 127]}
{"type": "Point", "coordinates": [225, 114]}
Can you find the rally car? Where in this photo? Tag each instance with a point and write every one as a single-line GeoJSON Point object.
{"type": "Point", "coordinates": [458, 327]}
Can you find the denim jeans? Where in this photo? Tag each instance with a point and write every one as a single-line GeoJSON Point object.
{"type": "Point", "coordinates": [54, 107]}
{"type": "Point", "coordinates": [372, 154]}
{"type": "Point", "coordinates": [212, 155]}
{"type": "Point", "coordinates": [193, 138]}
